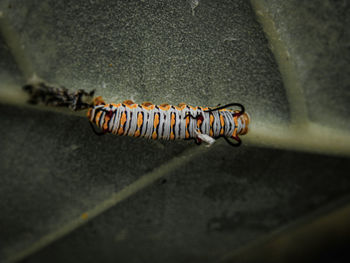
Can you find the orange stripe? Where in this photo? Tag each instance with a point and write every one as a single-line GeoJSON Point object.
{"type": "Point", "coordinates": [164, 106]}
{"type": "Point", "coordinates": [172, 121]}
{"type": "Point", "coordinates": [181, 106]}
{"type": "Point", "coordinates": [132, 106]}
{"type": "Point", "coordinates": [137, 133]}
{"type": "Point", "coordinates": [222, 120]}
{"type": "Point", "coordinates": [139, 123]}
{"type": "Point", "coordinates": [236, 121]}
{"type": "Point", "coordinates": [187, 135]}
{"type": "Point", "coordinates": [155, 125]}
{"type": "Point", "coordinates": [172, 124]}
{"type": "Point", "coordinates": [236, 127]}
{"type": "Point", "coordinates": [148, 107]}
{"type": "Point", "coordinates": [234, 132]}
{"type": "Point", "coordinates": [105, 125]}
{"type": "Point", "coordinates": [211, 120]}
{"type": "Point", "coordinates": [146, 103]}
{"type": "Point", "coordinates": [156, 121]}
{"type": "Point", "coordinates": [98, 116]}
{"type": "Point", "coordinates": [139, 119]}
{"type": "Point", "coordinates": [123, 119]}
{"type": "Point", "coordinates": [187, 120]}
{"type": "Point", "coordinates": [128, 102]}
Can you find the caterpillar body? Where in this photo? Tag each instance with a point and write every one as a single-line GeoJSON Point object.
{"type": "Point", "coordinates": [169, 122]}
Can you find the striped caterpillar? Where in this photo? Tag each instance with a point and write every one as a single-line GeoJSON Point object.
{"type": "Point", "coordinates": [148, 120]}
{"type": "Point", "coordinates": [170, 122]}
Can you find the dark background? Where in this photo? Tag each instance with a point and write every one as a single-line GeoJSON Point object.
{"type": "Point", "coordinates": [68, 195]}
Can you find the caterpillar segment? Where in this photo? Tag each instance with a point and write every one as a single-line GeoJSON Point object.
{"type": "Point", "coordinates": [169, 122]}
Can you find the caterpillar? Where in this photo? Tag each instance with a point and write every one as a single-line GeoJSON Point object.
{"type": "Point", "coordinates": [170, 122]}
{"type": "Point", "coordinates": [148, 120]}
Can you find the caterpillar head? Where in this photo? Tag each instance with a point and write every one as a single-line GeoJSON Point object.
{"type": "Point", "coordinates": [245, 119]}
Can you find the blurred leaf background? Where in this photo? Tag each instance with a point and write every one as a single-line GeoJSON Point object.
{"type": "Point", "coordinates": [68, 195]}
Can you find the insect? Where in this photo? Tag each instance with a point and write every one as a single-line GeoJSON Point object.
{"type": "Point", "coordinates": [148, 120]}
{"type": "Point", "coordinates": [170, 122]}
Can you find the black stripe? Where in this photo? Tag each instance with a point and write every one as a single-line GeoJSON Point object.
{"type": "Point", "coordinates": [156, 128]}
{"type": "Point", "coordinates": [231, 124]}
{"type": "Point", "coordinates": [126, 116]}
{"type": "Point", "coordinates": [163, 125]}
{"type": "Point", "coordinates": [189, 121]}
{"type": "Point", "coordinates": [181, 120]}
{"type": "Point", "coordinates": [172, 128]}
{"type": "Point", "coordinates": [143, 120]}
{"type": "Point", "coordinates": [211, 125]}
{"type": "Point", "coordinates": [146, 122]}
{"type": "Point", "coordinates": [129, 124]}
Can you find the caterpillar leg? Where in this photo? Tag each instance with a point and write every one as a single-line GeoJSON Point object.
{"type": "Point", "coordinates": [197, 141]}
{"type": "Point", "coordinates": [99, 133]}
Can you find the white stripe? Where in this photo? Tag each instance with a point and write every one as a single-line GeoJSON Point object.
{"type": "Point", "coordinates": [133, 122]}
{"type": "Point", "coordinates": [206, 117]}
{"type": "Point", "coordinates": [182, 123]}
{"type": "Point", "coordinates": [149, 130]}
{"type": "Point", "coordinates": [177, 124]}
{"type": "Point", "coordinates": [167, 124]}
{"type": "Point", "coordinates": [101, 121]}
{"type": "Point", "coordinates": [118, 114]}
{"type": "Point", "coordinates": [145, 122]}
{"type": "Point", "coordinates": [111, 122]}
{"type": "Point", "coordinates": [160, 125]}
{"type": "Point", "coordinates": [192, 127]}
{"type": "Point", "coordinates": [126, 124]}
{"type": "Point", "coordinates": [216, 124]}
